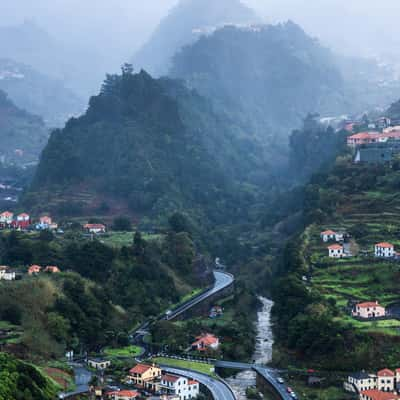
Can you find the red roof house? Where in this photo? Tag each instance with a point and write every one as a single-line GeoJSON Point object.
{"type": "Point", "coordinates": [377, 395]}
{"type": "Point", "coordinates": [95, 228]}
{"type": "Point", "coordinates": [205, 341]}
{"type": "Point", "coordinates": [385, 372]}
{"type": "Point", "coordinates": [122, 395]}
{"type": "Point", "coordinates": [34, 269]}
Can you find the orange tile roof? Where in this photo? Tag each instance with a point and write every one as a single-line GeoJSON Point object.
{"type": "Point", "coordinates": [170, 378]}
{"type": "Point", "coordinates": [384, 245]}
{"type": "Point", "coordinates": [206, 340]}
{"type": "Point", "coordinates": [124, 393]}
{"type": "Point", "coordinates": [364, 135]}
{"type": "Point", "coordinates": [378, 395]}
{"type": "Point", "coordinates": [335, 247]}
{"type": "Point", "coordinates": [94, 226]}
{"type": "Point", "coordinates": [140, 369]}
{"type": "Point", "coordinates": [191, 382]}
{"type": "Point", "coordinates": [367, 304]}
{"type": "Point", "coordinates": [385, 372]}
{"type": "Point", "coordinates": [328, 232]}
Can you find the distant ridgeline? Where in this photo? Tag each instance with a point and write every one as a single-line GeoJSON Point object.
{"type": "Point", "coordinates": [23, 135]}
{"type": "Point", "coordinates": [150, 145]}
{"type": "Point", "coordinates": [183, 25]}
{"type": "Point", "coordinates": [37, 93]}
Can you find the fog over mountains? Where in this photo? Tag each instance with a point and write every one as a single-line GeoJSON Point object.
{"type": "Point", "coordinates": [116, 30]}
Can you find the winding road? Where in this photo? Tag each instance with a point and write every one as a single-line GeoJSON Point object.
{"type": "Point", "coordinates": [218, 389]}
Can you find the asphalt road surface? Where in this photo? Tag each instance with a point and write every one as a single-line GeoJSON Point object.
{"type": "Point", "coordinates": [218, 389]}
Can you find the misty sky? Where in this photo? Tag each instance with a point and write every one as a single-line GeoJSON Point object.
{"type": "Point", "coordinates": [359, 26]}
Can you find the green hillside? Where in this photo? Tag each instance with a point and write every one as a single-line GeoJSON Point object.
{"type": "Point", "coordinates": [148, 147]}
{"type": "Point", "coordinates": [314, 321]}
{"type": "Point", "coordinates": [22, 381]}
{"type": "Point", "coordinates": [267, 77]}
{"type": "Point", "coordinates": [23, 135]}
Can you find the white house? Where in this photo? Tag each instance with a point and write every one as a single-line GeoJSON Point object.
{"type": "Point", "coordinates": [336, 251]}
{"type": "Point", "coordinates": [363, 381]}
{"type": "Point", "coordinates": [368, 310]}
{"type": "Point", "coordinates": [384, 249]}
{"type": "Point", "coordinates": [328, 235]}
{"type": "Point", "coordinates": [178, 385]}
{"type": "Point", "coordinates": [6, 274]}
{"type": "Point", "coordinates": [99, 364]}
{"type": "Point", "coordinates": [6, 217]}
{"type": "Point", "coordinates": [95, 228]}
{"type": "Point", "coordinates": [24, 217]}
{"type": "Point", "coordinates": [386, 380]}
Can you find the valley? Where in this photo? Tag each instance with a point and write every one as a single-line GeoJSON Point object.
{"type": "Point", "coordinates": [219, 222]}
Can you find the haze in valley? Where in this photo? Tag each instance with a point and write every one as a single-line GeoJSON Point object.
{"type": "Point", "coordinates": [115, 30]}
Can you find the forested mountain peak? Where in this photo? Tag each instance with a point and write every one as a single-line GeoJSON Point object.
{"type": "Point", "coordinates": [268, 76]}
{"type": "Point", "coordinates": [185, 23]}
{"type": "Point", "coordinates": [152, 144]}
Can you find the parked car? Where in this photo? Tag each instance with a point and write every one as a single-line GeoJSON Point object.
{"type": "Point", "coordinates": [280, 380]}
{"type": "Point", "coordinates": [293, 395]}
{"type": "Point", "coordinates": [289, 390]}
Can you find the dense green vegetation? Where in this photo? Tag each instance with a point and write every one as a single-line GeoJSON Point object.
{"type": "Point", "coordinates": [22, 381]}
{"type": "Point", "coordinates": [235, 329]}
{"type": "Point", "coordinates": [265, 78]}
{"type": "Point", "coordinates": [313, 147]}
{"type": "Point", "coordinates": [313, 319]}
{"type": "Point", "coordinates": [23, 135]}
{"type": "Point", "coordinates": [151, 146]}
{"type": "Point", "coordinates": [105, 293]}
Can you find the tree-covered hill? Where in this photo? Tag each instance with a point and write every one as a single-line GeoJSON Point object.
{"type": "Point", "coordinates": [268, 77]}
{"type": "Point", "coordinates": [38, 93]}
{"type": "Point", "coordinates": [22, 381]}
{"type": "Point", "coordinates": [154, 146]}
{"type": "Point", "coordinates": [101, 293]}
{"type": "Point", "coordinates": [23, 135]}
{"type": "Point", "coordinates": [185, 23]}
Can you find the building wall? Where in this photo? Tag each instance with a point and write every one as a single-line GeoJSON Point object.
{"type": "Point", "coordinates": [386, 383]}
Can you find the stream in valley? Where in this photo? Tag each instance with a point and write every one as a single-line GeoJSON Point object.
{"type": "Point", "coordinates": [262, 353]}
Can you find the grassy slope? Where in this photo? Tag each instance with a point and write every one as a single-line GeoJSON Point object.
{"type": "Point", "coordinates": [204, 368]}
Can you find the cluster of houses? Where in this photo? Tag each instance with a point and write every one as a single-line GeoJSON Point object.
{"type": "Point", "coordinates": [153, 379]}
{"type": "Point", "coordinates": [364, 310]}
{"type": "Point", "coordinates": [23, 221]}
{"type": "Point", "coordinates": [11, 274]}
{"type": "Point", "coordinates": [339, 250]}
{"type": "Point", "coordinates": [375, 147]}
{"type": "Point", "coordinates": [150, 379]}
{"type": "Point", "coordinates": [383, 385]}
